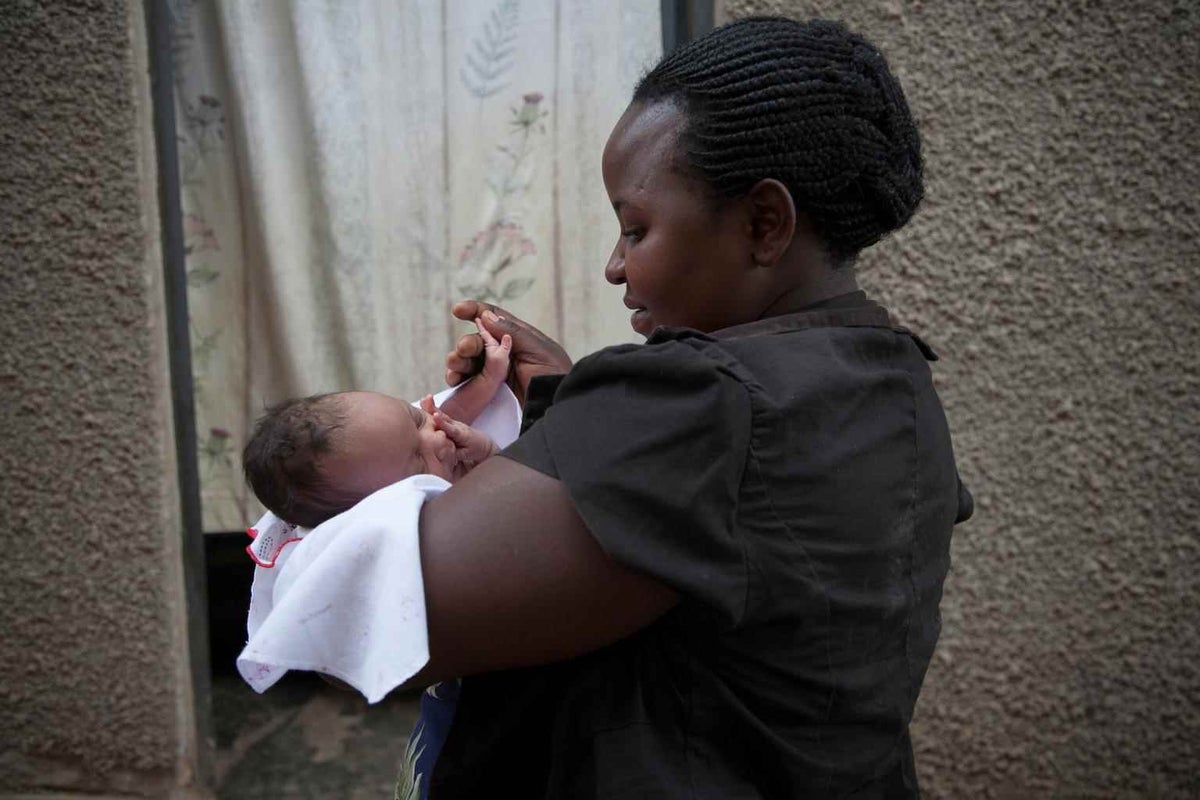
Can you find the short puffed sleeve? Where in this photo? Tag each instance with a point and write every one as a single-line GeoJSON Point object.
{"type": "Point", "coordinates": [650, 442]}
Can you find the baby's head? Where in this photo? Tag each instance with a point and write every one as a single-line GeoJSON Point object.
{"type": "Point", "coordinates": [312, 458]}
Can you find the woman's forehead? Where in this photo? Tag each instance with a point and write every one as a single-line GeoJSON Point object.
{"type": "Point", "coordinates": [643, 142]}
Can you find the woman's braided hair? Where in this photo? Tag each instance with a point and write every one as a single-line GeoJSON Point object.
{"type": "Point", "coordinates": [811, 105]}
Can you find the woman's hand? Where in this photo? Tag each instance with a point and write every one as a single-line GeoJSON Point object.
{"type": "Point", "coordinates": [533, 352]}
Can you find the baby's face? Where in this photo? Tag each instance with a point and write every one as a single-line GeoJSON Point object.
{"type": "Point", "coordinates": [385, 440]}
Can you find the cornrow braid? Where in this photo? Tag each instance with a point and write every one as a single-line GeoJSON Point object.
{"type": "Point", "coordinates": [811, 105]}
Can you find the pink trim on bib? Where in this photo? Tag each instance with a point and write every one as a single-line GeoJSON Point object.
{"type": "Point", "coordinates": [268, 544]}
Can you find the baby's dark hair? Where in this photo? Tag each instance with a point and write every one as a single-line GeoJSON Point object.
{"type": "Point", "coordinates": [811, 105]}
{"type": "Point", "coordinates": [282, 459]}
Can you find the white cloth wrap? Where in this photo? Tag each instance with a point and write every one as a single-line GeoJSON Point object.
{"type": "Point", "coordinates": [346, 598]}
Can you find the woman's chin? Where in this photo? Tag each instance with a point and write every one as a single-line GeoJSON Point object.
{"type": "Point", "coordinates": [641, 321]}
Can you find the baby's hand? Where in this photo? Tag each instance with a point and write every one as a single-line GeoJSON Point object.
{"type": "Point", "coordinates": [495, 355]}
{"type": "Point", "coordinates": [470, 446]}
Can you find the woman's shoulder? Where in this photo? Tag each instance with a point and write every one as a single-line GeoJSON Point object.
{"type": "Point", "coordinates": [672, 381]}
{"type": "Point", "coordinates": [669, 354]}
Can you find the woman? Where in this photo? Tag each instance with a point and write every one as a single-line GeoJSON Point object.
{"type": "Point", "coordinates": [711, 566]}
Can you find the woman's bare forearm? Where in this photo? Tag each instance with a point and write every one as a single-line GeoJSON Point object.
{"type": "Point", "coordinates": [513, 578]}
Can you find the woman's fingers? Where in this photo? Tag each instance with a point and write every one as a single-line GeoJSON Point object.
{"type": "Point", "coordinates": [498, 322]}
{"type": "Point", "coordinates": [467, 310]}
{"type": "Point", "coordinates": [529, 345]}
{"type": "Point", "coordinates": [458, 363]}
{"type": "Point", "coordinates": [469, 346]}
{"type": "Point", "coordinates": [465, 360]}
{"type": "Point", "coordinates": [532, 352]}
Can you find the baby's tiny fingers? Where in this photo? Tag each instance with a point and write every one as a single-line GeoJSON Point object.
{"type": "Point", "coordinates": [455, 431]}
{"type": "Point", "coordinates": [488, 339]}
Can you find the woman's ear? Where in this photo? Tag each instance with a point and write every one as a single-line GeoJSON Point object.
{"type": "Point", "coordinates": [773, 221]}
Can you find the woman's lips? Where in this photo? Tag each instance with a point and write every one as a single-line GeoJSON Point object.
{"type": "Point", "coordinates": [640, 318]}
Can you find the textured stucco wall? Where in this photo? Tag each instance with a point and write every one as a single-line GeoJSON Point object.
{"type": "Point", "coordinates": [1053, 266]}
{"type": "Point", "coordinates": [94, 694]}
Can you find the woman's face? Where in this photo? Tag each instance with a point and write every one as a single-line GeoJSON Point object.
{"type": "Point", "coordinates": [682, 258]}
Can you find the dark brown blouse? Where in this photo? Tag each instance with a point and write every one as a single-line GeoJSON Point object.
{"type": "Point", "coordinates": [793, 480]}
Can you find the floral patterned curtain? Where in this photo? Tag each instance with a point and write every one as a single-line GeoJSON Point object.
{"type": "Point", "coordinates": [350, 167]}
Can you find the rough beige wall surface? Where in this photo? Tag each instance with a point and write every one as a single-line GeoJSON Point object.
{"type": "Point", "coordinates": [90, 646]}
{"type": "Point", "coordinates": [1053, 266]}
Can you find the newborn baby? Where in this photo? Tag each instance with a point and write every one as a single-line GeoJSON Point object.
{"type": "Point", "coordinates": [311, 458]}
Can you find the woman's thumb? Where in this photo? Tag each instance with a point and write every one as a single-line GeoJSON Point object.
{"type": "Point", "coordinates": [501, 326]}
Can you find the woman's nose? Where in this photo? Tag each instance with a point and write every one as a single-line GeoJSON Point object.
{"type": "Point", "coordinates": [614, 270]}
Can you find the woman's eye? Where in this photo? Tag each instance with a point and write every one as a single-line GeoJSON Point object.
{"type": "Point", "coordinates": [632, 234]}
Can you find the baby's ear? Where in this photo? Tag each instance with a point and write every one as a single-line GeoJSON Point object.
{"type": "Point", "coordinates": [773, 221]}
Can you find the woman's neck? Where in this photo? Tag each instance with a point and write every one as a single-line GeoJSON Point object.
{"type": "Point", "coordinates": [828, 284]}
